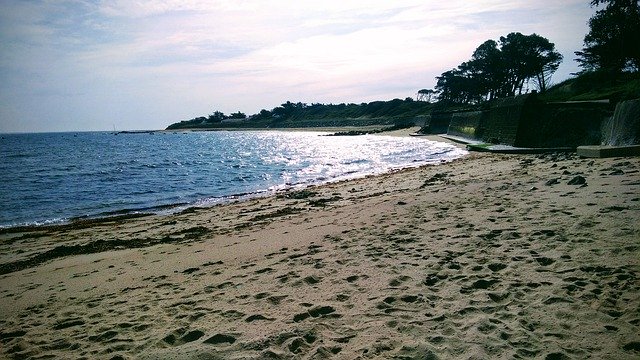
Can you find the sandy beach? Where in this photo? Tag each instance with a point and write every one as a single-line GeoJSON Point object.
{"type": "Point", "coordinates": [487, 257]}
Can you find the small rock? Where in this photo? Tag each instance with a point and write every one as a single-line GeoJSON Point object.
{"type": "Point", "coordinates": [321, 311]}
{"type": "Point", "coordinates": [191, 270]}
{"type": "Point", "coordinates": [578, 180]}
{"type": "Point", "coordinates": [552, 182]}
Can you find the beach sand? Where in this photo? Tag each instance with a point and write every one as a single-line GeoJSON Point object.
{"type": "Point", "coordinates": [487, 257]}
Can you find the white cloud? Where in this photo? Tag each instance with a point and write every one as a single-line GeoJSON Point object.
{"type": "Point", "coordinates": [191, 55]}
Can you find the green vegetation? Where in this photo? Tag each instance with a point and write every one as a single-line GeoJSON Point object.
{"type": "Point", "coordinates": [613, 42]}
{"type": "Point", "coordinates": [467, 130]}
{"type": "Point", "coordinates": [395, 112]}
{"type": "Point", "coordinates": [596, 85]}
{"type": "Point", "coordinates": [500, 70]}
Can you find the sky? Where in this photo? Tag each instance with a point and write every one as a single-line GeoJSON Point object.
{"type": "Point", "coordinates": [91, 65]}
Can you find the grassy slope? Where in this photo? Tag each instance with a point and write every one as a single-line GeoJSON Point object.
{"type": "Point", "coordinates": [595, 86]}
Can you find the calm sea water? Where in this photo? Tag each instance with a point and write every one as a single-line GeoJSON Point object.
{"type": "Point", "coordinates": [56, 177]}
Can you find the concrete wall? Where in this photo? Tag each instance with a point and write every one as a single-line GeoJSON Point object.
{"type": "Point", "coordinates": [469, 124]}
{"type": "Point", "coordinates": [437, 123]}
{"type": "Point", "coordinates": [505, 116]}
{"type": "Point", "coordinates": [564, 125]}
{"type": "Point", "coordinates": [525, 121]}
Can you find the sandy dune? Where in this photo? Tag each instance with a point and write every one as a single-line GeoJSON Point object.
{"type": "Point", "coordinates": [491, 256]}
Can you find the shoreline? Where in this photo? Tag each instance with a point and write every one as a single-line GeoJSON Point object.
{"type": "Point", "coordinates": [169, 209]}
{"type": "Point", "coordinates": [488, 256]}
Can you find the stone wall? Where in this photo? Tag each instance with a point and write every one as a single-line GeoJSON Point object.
{"type": "Point", "coordinates": [505, 117]}
{"type": "Point", "coordinates": [525, 121]}
{"type": "Point", "coordinates": [564, 125]}
{"type": "Point", "coordinates": [469, 124]}
{"type": "Point", "coordinates": [437, 123]}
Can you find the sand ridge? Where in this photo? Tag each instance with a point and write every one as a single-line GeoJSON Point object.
{"type": "Point", "coordinates": [490, 256]}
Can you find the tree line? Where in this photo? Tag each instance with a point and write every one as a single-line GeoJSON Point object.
{"type": "Point", "coordinates": [290, 111]}
{"type": "Point", "coordinates": [218, 117]}
{"type": "Point", "coordinates": [298, 112]}
{"type": "Point", "coordinates": [612, 44]}
{"type": "Point", "coordinates": [500, 69]}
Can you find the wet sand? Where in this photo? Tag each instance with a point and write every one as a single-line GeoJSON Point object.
{"type": "Point", "coordinates": [490, 256]}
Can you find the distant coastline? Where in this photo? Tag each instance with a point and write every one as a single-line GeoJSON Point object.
{"type": "Point", "coordinates": [398, 113]}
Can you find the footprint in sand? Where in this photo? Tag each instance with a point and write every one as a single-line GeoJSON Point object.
{"type": "Point", "coordinates": [399, 280]}
{"type": "Point", "coordinates": [220, 339]}
{"type": "Point", "coordinates": [316, 312]}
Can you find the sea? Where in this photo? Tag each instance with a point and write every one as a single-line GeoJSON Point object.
{"type": "Point", "coordinates": [55, 178]}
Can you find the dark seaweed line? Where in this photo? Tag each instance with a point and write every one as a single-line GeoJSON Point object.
{"type": "Point", "coordinates": [99, 246]}
{"type": "Point", "coordinates": [75, 224]}
{"type": "Point", "coordinates": [278, 213]}
{"type": "Point", "coordinates": [260, 219]}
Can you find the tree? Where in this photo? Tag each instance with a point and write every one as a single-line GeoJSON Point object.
{"type": "Point", "coordinates": [500, 69]}
{"type": "Point", "coordinates": [613, 41]}
{"type": "Point", "coordinates": [425, 95]}
{"type": "Point", "coordinates": [288, 110]}
{"type": "Point", "coordinates": [216, 117]}
{"type": "Point", "coordinates": [450, 85]}
{"type": "Point", "coordinates": [528, 57]}
{"type": "Point", "coordinates": [488, 66]}
{"type": "Point", "coordinates": [238, 115]}
{"type": "Point", "coordinates": [264, 114]}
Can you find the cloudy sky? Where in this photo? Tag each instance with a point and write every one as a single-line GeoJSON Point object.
{"type": "Point", "coordinates": [143, 64]}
